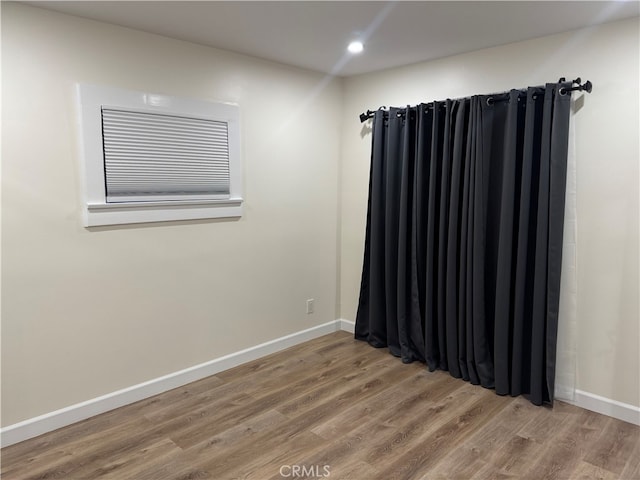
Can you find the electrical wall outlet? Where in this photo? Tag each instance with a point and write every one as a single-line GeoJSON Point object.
{"type": "Point", "coordinates": [310, 306]}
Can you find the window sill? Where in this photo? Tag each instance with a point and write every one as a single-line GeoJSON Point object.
{"type": "Point", "coordinates": [97, 214]}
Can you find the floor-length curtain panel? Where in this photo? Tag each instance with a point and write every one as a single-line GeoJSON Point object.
{"type": "Point", "coordinates": [568, 310]}
{"type": "Point", "coordinates": [463, 244]}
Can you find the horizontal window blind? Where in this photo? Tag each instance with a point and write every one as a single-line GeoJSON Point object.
{"type": "Point", "coordinates": [149, 156]}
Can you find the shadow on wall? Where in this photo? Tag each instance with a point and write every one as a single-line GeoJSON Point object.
{"type": "Point", "coordinates": [366, 129]}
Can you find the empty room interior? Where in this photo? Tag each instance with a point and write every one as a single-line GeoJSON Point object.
{"type": "Point", "coordinates": [355, 240]}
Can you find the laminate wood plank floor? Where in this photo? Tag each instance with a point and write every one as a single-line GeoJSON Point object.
{"type": "Point", "coordinates": [332, 408]}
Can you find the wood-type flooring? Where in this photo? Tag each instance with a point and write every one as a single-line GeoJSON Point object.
{"type": "Point", "coordinates": [332, 408]}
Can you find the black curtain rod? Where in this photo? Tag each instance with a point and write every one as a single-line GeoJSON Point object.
{"type": "Point", "coordinates": [580, 87]}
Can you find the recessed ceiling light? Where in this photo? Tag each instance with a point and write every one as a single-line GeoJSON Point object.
{"type": "Point", "coordinates": [355, 47]}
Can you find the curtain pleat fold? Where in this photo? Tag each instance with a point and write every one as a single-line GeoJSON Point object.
{"type": "Point", "coordinates": [463, 242]}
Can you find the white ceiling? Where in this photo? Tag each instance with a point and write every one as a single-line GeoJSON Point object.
{"type": "Point", "coordinates": [314, 35]}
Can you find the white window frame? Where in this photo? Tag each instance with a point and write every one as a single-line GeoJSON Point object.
{"type": "Point", "coordinates": [97, 211]}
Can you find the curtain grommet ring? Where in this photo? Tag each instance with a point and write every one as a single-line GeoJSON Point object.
{"type": "Point", "coordinates": [490, 101]}
{"type": "Point", "coordinates": [562, 92]}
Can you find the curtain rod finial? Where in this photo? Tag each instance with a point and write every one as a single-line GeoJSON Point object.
{"type": "Point", "coordinates": [366, 116]}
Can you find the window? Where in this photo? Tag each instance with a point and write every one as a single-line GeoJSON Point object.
{"type": "Point", "coordinates": [151, 158]}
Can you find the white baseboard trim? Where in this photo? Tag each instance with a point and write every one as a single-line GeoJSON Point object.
{"type": "Point", "coordinates": [346, 325]}
{"type": "Point", "coordinates": [80, 411]}
{"type": "Point", "coordinates": [606, 406]}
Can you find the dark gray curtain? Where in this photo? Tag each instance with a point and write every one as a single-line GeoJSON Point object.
{"type": "Point", "coordinates": [464, 237]}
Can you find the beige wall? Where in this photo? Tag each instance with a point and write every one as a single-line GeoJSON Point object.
{"type": "Point", "coordinates": [89, 311]}
{"type": "Point", "coordinates": [607, 153]}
